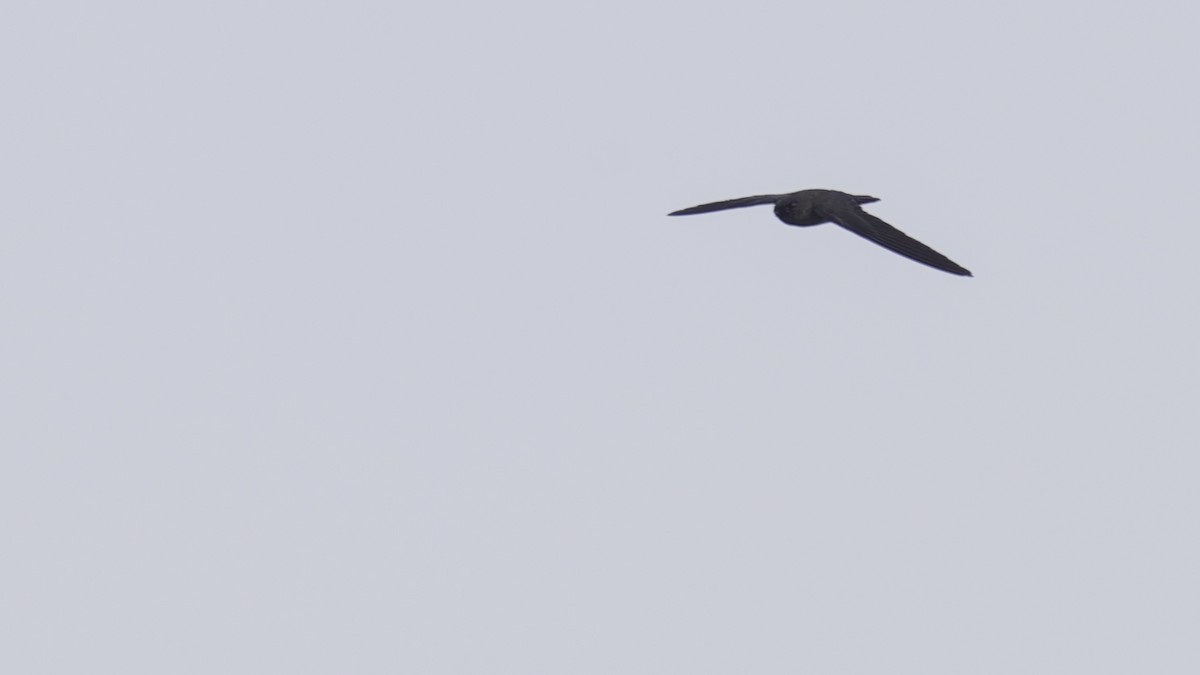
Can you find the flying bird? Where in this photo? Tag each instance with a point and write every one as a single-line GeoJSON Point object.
{"type": "Point", "coordinates": [813, 207]}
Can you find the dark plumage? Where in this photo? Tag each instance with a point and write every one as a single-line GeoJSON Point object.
{"type": "Point", "coordinates": [813, 207]}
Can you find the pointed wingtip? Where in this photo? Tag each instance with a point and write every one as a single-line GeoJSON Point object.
{"type": "Point", "coordinates": [692, 210]}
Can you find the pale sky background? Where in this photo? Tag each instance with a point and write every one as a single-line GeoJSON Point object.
{"type": "Point", "coordinates": [352, 337]}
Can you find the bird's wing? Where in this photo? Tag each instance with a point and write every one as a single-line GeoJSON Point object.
{"type": "Point", "coordinates": [869, 227]}
{"type": "Point", "coordinates": [728, 204]}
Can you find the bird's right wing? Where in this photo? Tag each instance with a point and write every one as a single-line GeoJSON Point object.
{"type": "Point", "coordinates": [728, 204]}
{"type": "Point", "coordinates": [869, 227]}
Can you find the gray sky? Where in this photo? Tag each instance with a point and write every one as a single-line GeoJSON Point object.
{"type": "Point", "coordinates": [353, 338]}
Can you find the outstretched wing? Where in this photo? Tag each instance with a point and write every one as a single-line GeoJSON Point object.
{"type": "Point", "coordinates": [728, 204]}
{"type": "Point", "coordinates": [869, 227]}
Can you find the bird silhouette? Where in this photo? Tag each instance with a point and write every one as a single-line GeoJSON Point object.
{"type": "Point", "coordinates": [814, 207]}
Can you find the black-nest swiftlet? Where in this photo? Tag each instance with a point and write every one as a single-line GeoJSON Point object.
{"type": "Point", "coordinates": [813, 207]}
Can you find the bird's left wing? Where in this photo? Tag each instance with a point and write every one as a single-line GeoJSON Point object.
{"type": "Point", "coordinates": [869, 227]}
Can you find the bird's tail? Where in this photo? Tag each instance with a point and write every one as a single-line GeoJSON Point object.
{"type": "Point", "coordinates": [728, 204]}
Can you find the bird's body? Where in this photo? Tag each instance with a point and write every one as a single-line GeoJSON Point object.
{"type": "Point", "coordinates": [814, 207]}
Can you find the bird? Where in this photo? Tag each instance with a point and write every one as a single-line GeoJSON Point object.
{"type": "Point", "coordinates": [814, 207]}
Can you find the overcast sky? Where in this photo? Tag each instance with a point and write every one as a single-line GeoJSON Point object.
{"type": "Point", "coordinates": [352, 337]}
